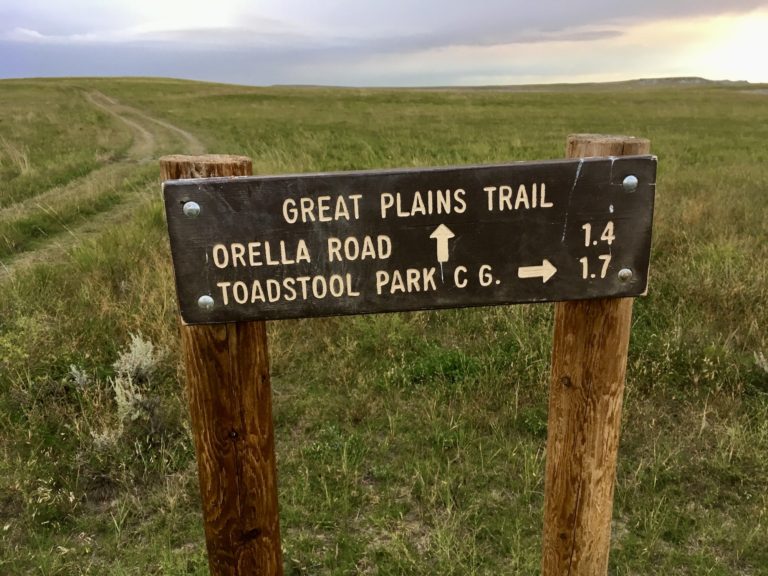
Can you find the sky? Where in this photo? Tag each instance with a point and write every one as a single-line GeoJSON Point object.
{"type": "Point", "coordinates": [386, 42]}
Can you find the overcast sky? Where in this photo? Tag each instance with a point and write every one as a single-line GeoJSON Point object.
{"type": "Point", "coordinates": [392, 42]}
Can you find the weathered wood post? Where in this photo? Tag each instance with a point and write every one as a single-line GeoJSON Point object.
{"type": "Point", "coordinates": [230, 402]}
{"type": "Point", "coordinates": [589, 359]}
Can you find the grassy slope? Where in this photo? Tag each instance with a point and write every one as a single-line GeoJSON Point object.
{"type": "Point", "coordinates": [50, 136]}
{"type": "Point", "coordinates": [407, 443]}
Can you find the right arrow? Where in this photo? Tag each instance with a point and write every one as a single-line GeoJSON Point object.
{"type": "Point", "coordinates": [545, 271]}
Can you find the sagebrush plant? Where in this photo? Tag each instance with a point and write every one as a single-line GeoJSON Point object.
{"type": "Point", "coordinates": [139, 360]}
{"type": "Point", "coordinates": [133, 371]}
{"type": "Point", "coordinates": [761, 361]}
{"type": "Point", "coordinates": [129, 399]}
{"type": "Point", "coordinates": [130, 386]}
{"type": "Point", "coordinates": [79, 376]}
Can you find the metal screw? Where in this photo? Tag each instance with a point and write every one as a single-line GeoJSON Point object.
{"type": "Point", "coordinates": [630, 183]}
{"type": "Point", "coordinates": [625, 274]}
{"type": "Point", "coordinates": [191, 209]}
{"type": "Point", "coordinates": [205, 303]}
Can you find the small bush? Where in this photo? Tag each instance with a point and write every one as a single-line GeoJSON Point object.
{"type": "Point", "coordinates": [138, 362]}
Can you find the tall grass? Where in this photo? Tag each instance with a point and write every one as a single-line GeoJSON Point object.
{"type": "Point", "coordinates": [15, 157]}
{"type": "Point", "coordinates": [406, 443]}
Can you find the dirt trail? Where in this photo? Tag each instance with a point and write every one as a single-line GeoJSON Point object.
{"type": "Point", "coordinates": [152, 137]}
{"type": "Point", "coordinates": [146, 144]}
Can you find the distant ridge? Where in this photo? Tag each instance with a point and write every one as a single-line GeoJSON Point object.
{"type": "Point", "coordinates": [634, 83]}
{"type": "Point", "coordinates": [684, 80]}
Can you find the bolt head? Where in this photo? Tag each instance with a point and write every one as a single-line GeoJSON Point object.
{"type": "Point", "coordinates": [191, 209]}
{"type": "Point", "coordinates": [625, 274]}
{"type": "Point", "coordinates": [630, 183]}
{"type": "Point", "coordinates": [205, 303]}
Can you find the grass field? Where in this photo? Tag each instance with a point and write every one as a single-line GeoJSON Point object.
{"type": "Point", "coordinates": [406, 443]}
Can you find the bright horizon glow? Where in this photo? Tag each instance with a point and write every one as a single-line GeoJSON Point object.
{"type": "Point", "coordinates": [715, 48]}
{"type": "Point", "coordinates": [737, 49]}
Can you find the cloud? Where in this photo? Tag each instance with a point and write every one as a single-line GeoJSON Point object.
{"type": "Point", "coordinates": [436, 23]}
{"type": "Point", "coordinates": [259, 33]}
{"type": "Point", "coordinates": [349, 41]}
{"type": "Point", "coordinates": [22, 35]}
{"type": "Point", "coordinates": [394, 25]}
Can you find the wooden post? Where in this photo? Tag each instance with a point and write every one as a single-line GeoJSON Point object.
{"type": "Point", "coordinates": [230, 402]}
{"type": "Point", "coordinates": [589, 360]}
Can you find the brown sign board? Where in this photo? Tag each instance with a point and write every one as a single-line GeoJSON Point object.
{"type": "Point", "coordinates": [307, 245]}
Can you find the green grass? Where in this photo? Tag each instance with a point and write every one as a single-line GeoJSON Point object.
{"type": "Point", "coordinates": [50, 136]}
{"type": "Point", "coordinates": [23, 229]}
{"type": "Point", "coordinates": [406, 443]}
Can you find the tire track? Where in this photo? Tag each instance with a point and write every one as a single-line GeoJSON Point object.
{"type": "Point", "coordinates": [147, 143]}
{"type": "Point", "coordinates": [144, 142]}
{"type": "Point", "coordinates": [152, 137]}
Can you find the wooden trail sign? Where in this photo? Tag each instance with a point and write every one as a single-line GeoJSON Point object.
{"type": "Point", "coordinates": [393, 240]}
{"type": "Point", "coordinates": [588, 220]}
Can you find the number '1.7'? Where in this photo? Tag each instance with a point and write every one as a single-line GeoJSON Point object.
{"type": "Point", "coordinates": [606, 258]}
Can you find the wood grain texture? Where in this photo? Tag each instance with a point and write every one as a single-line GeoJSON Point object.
{"type": "Point", "coordinates": [230, 401]}
{"type": "Point", "coordinates": [589, 358]}
{"type": "Point", "coordinates": [177, 166]}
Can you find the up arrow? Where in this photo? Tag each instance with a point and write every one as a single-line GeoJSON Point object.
{"type": "Point", "coordinates": [442, 234]}
{"type": "Point", "coordinates": [545, 271]}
